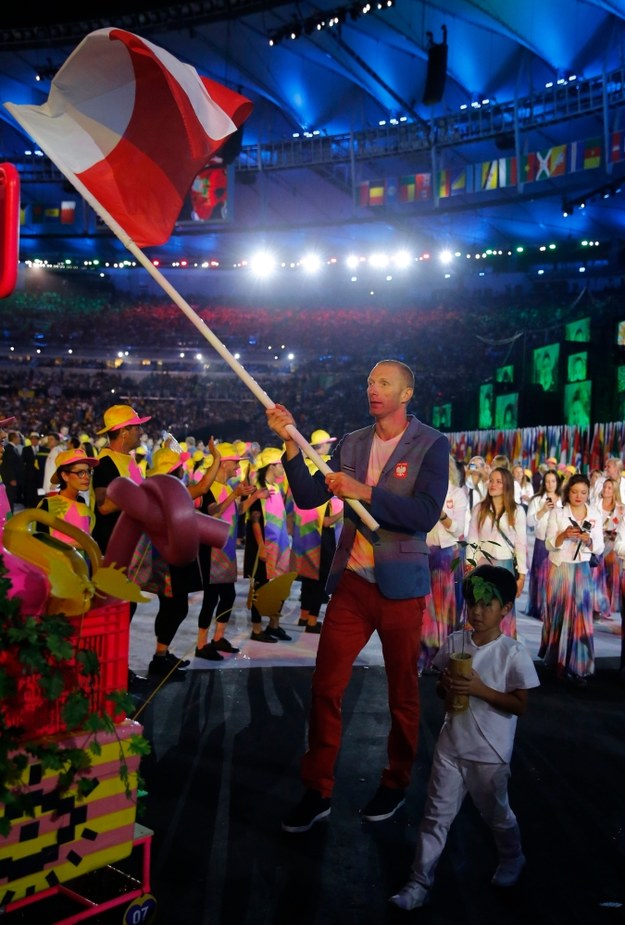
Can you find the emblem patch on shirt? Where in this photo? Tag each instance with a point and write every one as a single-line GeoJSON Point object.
{"type": "Point", "coordinates": [401, 470]}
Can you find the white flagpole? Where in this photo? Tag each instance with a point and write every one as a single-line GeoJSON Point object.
{"type": "Point", "coordinates": [212, 338]}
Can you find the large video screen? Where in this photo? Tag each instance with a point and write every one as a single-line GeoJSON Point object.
{"type": "Point", "coordinates": [504, 374]}
{"type": "Point", "coordinates": [507, 411]}
{"type": "Point", "coordinates": [578, 330]}
{"type": "Point", "coordinates": [545, 367]}
{"type": "Point", "coordinates": [209, 197]}
{"type": "Point", "coordinates": [577, 367]}
{"type": "Point", "coordinates": [486, 417]}
{"type": "Point", "coordinates": [577, 397]}
{"type": "Point", "coordinates": [441, 416]}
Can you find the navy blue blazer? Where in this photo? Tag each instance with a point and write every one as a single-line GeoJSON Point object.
{"type": "Point", "coordinates": [406, 502]}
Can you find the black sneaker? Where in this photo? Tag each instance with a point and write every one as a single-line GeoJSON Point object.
{"type": "Point", "coordinates": [168, 666]}
{"type": "Point", "coordinates": [302, 622]}
{"type": "Point", "coordinates": [278, 633]}
{"type": "Point", "coordinates": [383, 804]}
{"type": "Point", "coordinates": [222, 645]}
{"type": "Point", "coordinates": [313, 628]}
{"type": "Point", "coordinates": [174, 660]}
{"type": "Point", "coordinates": [262, 637]}
{"type": "Point", "coordinates": [136, 682]}
{"type": "Point", "coordinates": [310, 809]}
{"type": "Point", "coordinates": [209, 653]}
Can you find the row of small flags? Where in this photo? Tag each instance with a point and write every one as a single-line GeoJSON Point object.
{"type": "Point", "coordinates": [586, 448]}
{"type": "Point", "coordinates": [496, 174]}
{"type": "Point", "coordinates": [417, 187]}
{"type": "Point", "coordinates": [38, 214]}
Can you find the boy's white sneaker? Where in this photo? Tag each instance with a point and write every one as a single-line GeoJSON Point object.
{"type": "Point", "coordinates": [412, 896]}
{"type": "Point", "coordinates": [508, 871]}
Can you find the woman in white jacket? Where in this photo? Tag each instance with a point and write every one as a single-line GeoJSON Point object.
{"type": "Point", "coordinates": [546, 498]}
{"type": "Point", "coordinates": [574, 533]}
{"type": "Point", "coordinates": [608, 573]}
{"type": "Point", "coordinates": [440, 615]}
{"type": "Point", "coordinates": [498, 534]}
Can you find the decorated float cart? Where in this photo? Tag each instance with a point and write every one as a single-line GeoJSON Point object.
{"type": "Point", "coordinates": [69, 749]}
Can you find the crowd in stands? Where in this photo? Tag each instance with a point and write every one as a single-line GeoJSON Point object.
{"type": "Point", "coordinates": [453, 343]}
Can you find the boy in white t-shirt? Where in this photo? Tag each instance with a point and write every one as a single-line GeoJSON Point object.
{"type": "Point", "coordinates": [472, 754]}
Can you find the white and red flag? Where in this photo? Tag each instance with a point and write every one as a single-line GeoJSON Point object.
{"type": "Point", "coordinates": [130, 126]}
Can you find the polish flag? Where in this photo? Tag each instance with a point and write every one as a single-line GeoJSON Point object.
{"type": "Point", "coordinates": [130, 126]}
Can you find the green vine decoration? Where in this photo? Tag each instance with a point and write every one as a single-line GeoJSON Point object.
{"type": "Point", "coordinates": [483, 591]}
{"type": "Point", "coordinates": [44, 647]}
{"type": "Point", "coordinates": [471, 559]}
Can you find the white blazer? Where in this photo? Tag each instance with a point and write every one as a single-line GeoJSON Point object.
{"type": "Point", "coordinates": [455, 507]}
{"type": "Point", "coordinates": [570, 550]}
{"type": "Point", "coordinates": [490, 540]}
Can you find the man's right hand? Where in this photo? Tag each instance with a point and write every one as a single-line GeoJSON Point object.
{"type": "Point", "coordinates": [278, 418]}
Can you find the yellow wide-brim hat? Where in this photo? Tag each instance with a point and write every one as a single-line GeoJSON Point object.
{"type": "Point", "coordinates": [267, 457]}
{"type": "Point", "coordinates": [164, 461]}
{"type": "Point", "coordinates": [228, 451]}
{"type": "Point", "coordinates": [118, 416]}
{"type": "Point", "coordinates": [320, 436]}
{"type": "Point", "coordinates": [68, 458]}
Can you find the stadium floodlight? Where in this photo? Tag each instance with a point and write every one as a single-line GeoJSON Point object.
{"type": "Point", "coordinates": [402, 259]}
{"type": "Point", "coordinates": [311, 263]}
{"type": "Point", "coordinates": [262, 264]}
{"type": "Point", "coordinates": [378, 260]}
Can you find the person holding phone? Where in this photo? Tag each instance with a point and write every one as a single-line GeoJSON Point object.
{"type": "Point", "coordinates": [541, 505]}
{"type": "Point", "coordinates": [574, 533]}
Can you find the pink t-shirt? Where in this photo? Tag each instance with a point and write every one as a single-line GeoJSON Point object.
{"type": "Point", "coordinates": [361, 556]}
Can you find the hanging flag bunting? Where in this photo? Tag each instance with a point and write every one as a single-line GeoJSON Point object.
{"type": "Point", "coordinates": [377, 195]}
{"type": "Point", "coordinates": [423, 186]}
{"type": "Point", "coordinates": [507, 172]}
{"type": "Point", "coordinates": [459, 182]}
{"type": "Point", "coordinates": [551, 163]}
{"type": "Point", "coordinates": [407, 188]}
{"type": "Point", "coordinates": [592, 153]}
{"type": "Point", "coordinates": [68, 212]}
{"type": "Point", "coordinates": [444, 183]}
{"type": "Point", "coordinates": [528, 168]}
{"type": "Point", "coordinates": [488, 175]}
{"type": "Point", "coordinates": [617, 146]}
{"type": "Point", "coordinates": [363, 194]}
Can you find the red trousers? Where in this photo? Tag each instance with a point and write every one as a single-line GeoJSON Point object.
{"type": "Point", "coordinates": [355, 611]}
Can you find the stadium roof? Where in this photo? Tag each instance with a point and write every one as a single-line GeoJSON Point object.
{"type": "Point", "coordinates": [518, 82]}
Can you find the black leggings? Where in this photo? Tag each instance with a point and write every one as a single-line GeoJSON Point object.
{"type": "Point", "coordinates": [260, 579]}
{"type": "Point", "coordinates": [313, 595]}
{"type": "Point", "coordinates": [220, 598]}
{"type": "Point", "coordinates": [171, 613]}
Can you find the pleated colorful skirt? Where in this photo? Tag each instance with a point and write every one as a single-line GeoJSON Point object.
{"type": "Point", "coordinates": [508, 624]}
{"type": "Point", "coordinates": [567, 643]}
{"type": "Point", "coordinates": [538, 580]}
{"type": "Point", "coordinates": [607, 577]}
{"type": "Point", "coordinates": [439, 614]}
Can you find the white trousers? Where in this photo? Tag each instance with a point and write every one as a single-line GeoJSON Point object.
{"type": "Point", "coordinates": [450, 781]}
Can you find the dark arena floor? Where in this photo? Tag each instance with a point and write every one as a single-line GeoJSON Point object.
{"type": "Point", "coordinates": [226, 743]}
